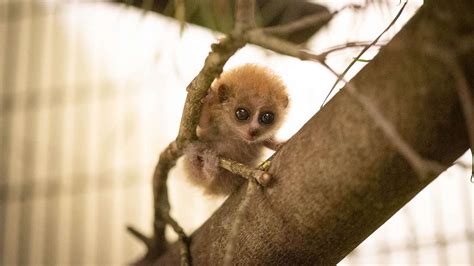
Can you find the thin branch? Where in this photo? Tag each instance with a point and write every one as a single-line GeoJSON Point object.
{"type": "Point", "coordinates": [166, 161]}
{"type": "Point", "coordinates": [347, 45]}
{"type": "Point", "coordinates": [243, 170]}
{"type": "Point", "coordinates": [258, 37]}
{"type": "Point", "coordinates": [300, 24]}
{"type": "Point", "coordinates": [183, 240]}
{"type": "Point", "coordinates": [304, 22]}
{"type": "Point", "coordinates": [146, 240]}
{"type": "Point", "coordinates": [363, 51]}
{"type": "Point", "coordinates": [197, 90]}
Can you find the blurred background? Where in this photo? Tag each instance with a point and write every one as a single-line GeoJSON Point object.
{"type": "Point", "coordinates": [92, 91]}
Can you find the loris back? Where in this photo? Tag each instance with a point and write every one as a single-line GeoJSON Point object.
{"type": "Point", "coordinates": [243, 109]}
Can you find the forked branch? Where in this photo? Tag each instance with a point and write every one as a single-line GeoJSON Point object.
{"type": "Point", "coordinates": [197, 90]}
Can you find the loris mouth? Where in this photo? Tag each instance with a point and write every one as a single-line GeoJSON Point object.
{"type": "Point", "coordinates": [250, 139]}
{"type": "Point", "coordinates": [252, 135]}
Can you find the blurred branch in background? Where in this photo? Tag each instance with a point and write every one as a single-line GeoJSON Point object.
{"type": "Point", "coordinates": [218, 14]}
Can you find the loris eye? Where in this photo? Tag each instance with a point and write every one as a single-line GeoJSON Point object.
{"type": "Point", "coordinates": [242, 113]}
{"type": "Point", "coordinates": [267, 118]}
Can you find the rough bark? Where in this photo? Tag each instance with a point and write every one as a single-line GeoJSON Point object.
{"type": "Point", "coordinates": [339, 178]}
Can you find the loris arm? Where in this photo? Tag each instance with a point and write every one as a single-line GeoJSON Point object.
{"type": "Point", "coordinates": [273, 144]}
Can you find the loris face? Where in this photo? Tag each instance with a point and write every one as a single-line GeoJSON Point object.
{"type": "Point", "coordinates": [249, 116]}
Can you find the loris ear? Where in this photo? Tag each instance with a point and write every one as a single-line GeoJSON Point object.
{"type": "Point", "coordinates": [223, 93]}
{"type": "Point", "coordinates": [286, 101]}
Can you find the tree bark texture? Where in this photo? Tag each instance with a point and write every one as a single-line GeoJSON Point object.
{"type": "Point", "coordinates": [339, 178]}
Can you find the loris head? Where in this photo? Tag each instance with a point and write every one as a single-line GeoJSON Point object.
{"type": "Point", "coordinates": [251, 102]}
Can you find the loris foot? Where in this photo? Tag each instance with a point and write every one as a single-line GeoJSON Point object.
{"type": "Point", "coordinates": [194, 153]}
{"type": "Point", "coordinates": [210, 163]}
{"type": "Point", "coordinates": [203, 158]}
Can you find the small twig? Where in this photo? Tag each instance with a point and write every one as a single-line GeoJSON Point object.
{"type": "Point", "coordinates": [284, 47]}
{"type": "Point", "coordinates": [146, 240]}
{"type": "Point", "coordinates": [305, 22]}
{"type": "Point", "coordinates": [243, 170]}
{"type": "Point", "coordinates": [363, 51]}
{"type": "Point", "coordinates": [347, 45]}
{"type": "Point", "coordinates": [258, 37]}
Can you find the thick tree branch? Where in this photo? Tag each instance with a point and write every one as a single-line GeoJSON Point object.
{"type": "Point", "coordinates": [462, 85]}
{"type": "Point", "coordinates": [252, 188]}
{"type": "Point", "coordinates": [340, 177]}
{"type": "Point", "coordinates": [420, 164]}
{"type": "Point", "coordinates": [245, 171]}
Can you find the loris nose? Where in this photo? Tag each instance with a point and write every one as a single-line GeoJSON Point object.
{"type": "Point", "coordinates": [253, 132]}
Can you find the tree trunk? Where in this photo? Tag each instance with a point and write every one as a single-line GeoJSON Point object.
{"type": "Point", "coordinates": [339, 178]}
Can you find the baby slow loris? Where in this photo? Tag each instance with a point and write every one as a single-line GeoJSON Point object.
{"type": "Point", "coordinates": [241, 113]}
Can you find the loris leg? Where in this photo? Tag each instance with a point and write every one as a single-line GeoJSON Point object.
{"type": "Point", "coordinates": [202, 162]}
{"type": "Point", "coordinates": [202, 165]}
{"type": "Point", "coordinates": [210, 163]}
{"type": "Point", "coordinates": [193, 155]}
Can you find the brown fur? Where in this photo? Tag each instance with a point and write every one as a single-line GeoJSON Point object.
{"type": "Point", "coordinates": [254, 88]}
